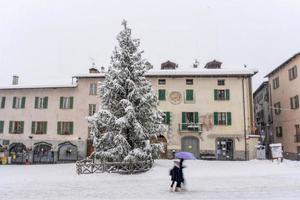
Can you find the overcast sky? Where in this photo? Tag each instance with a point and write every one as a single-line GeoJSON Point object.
{"type": "Point", "coordinates": [49, 41]}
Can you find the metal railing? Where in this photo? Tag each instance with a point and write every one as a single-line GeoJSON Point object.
{"type": "Point", "coordinates": [190, 127]}
{"type": "Point", "coordinates": [88, 166]}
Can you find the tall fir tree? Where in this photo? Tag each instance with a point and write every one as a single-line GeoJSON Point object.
{"type": "Point", "coordinates": [129, 116]}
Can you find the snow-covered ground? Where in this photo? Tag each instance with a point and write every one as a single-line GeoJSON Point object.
{"type": "Point", "coordinates": [205, 180]}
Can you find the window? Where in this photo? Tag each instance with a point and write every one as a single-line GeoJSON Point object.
{"type": "Point", "coordinates": [64, 128]}
{"type": "Point", "coordinates": [189, 81]}
{"type": "Point", "coordinates": [222, 118]}
{"type": "Point", "coordinates": [277, 108]}
{"type": "Point", "coordinates": [222, 94]}
{"type": "Point", "coordinates": [190, 121]}
{"type": "Point", "coordinates": [294, 101]}
{"type": "Point", "coordinates": [92, 109]}
{"type": "Point", "coordinates": [293, 73]}
{"type": "Point", "coordinates": [16, 127]}
{"type": "Point", "coordinates": [41, 102]}
{"type": "Point", "coordinates": [276, 83]}
{"type": "Point", "coordinates": [38, 127]}
{"type": "Point", "coordinates": [189, 95]}
{"type": "Point", "coordinates": [297, 126]}
{"type": "Point", "coordinates": [161, 81]}
{"type": "Point", "coordinates": [278, 131]}
{"type": "Point", "coordinates": [93, 89]}
{"type": "Point", "coordinates": [66, 102]}
{"type": "Point", "coordinates": [167, 118]}
{"type": "Point", "coordinates": [19, 102]}
{"type": "Point", "coordinates": [1, 126]}
{"type": "Point", "coordinates": [162, 95]}
{"type": "Point", "coordinates": [221, 82]}
{"type": "Point", "coordinates": [2, 102]}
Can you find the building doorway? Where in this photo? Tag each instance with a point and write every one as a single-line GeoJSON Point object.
{"type": "Point", "coordinates": [67, 152]}
{"type": "Point", "coordinates": [224, 149]}
{"type": "Point", "coordinates": [43, 153]}
{"type": "Point", "coordinates": [190, 144]}
{"type": "Point", "coordinates": [18, 153]}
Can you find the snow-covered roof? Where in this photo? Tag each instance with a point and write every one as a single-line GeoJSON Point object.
{"type": "Point", "coordinates": [187, 72]}
{"type": "Point", "coordinates": [11, 87]}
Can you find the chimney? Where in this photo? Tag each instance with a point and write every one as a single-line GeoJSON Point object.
{"type": "Point", "coordinates": [15, 80]}
{"type": "Point", "coordinates": [93, 70]}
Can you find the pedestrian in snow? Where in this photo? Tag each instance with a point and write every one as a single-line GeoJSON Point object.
{"type": "Point", "coordinates": [176, 176]}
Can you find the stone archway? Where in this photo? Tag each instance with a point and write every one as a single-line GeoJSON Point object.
{"type": "Point", "coordinates": [18, 153]}
{"type": "Point", "coordinates": [67, 152]}
{"type": "Point", "coordinates": [190, 144]}
{"type": "Point", "coordinates": [163, 140]}
{"type": "Point", "coordinates": [43, 153]}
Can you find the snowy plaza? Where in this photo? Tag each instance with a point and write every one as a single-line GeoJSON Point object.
{"type": "Point", "coordinates": [204, 180]}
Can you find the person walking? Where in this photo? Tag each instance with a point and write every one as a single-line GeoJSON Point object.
{"type": "Point", "coordinates": [176, 176]}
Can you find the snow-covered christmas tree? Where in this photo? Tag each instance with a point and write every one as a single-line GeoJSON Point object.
{"type": "Point", "coordinates": [129, 116]}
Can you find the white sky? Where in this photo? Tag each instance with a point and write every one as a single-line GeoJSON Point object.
{"type": "Point", "coordinates": [49, 41]}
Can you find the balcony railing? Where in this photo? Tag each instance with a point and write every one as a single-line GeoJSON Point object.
{"type": "Point", "coordinates": [297, 138]}
{"type": "Point", "coordinates": [190, 127]}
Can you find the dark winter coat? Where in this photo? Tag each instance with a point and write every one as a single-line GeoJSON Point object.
{"type": "Point", "coordinates": [176, 174]}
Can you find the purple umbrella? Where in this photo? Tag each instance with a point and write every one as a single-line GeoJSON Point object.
{"type": "Point", "coordinates": [185, 155]}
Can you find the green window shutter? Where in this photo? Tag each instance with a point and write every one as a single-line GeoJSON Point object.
{"type": "Point", "coordinates": [36, 101]}
{"type": "Point", "coordinates": [227, 94]}
{"type": "Point", "coordinates": [61, 102]}
{"type": "Point", "coordinates": [216, 118]}
{"type": "Point", "coordinates": [216, 94]}
{"type": "Point", "coordinates": [10, 126]}
{"type": "Point", "coordinates": [184, 126]}
{"type": "Point", "coordinates": [228, 118]}
{"type": "Point", "coordinates": [23, 102]}
{"type": "Point", "coordinates": [45, 127]}
{"type": "Point", "coordinates": [161, 95]}
{"type": "Point", "coordinates": [59, 128]}
{"type": "Point", "coordinates": [1, 126]}
{"type": "Point", "coordinates": [196, 117]}
{"type": "Point", "coordinates": [14, 102]}
{"type": "Point", "coordinates": [189, 95]}
{"type": "Point", "coordinates": [167, 117]}
{"type": "Point", "coordinates": [71, 102]}
{"type": "Point", "coordinates": [22, 126]}
{"type": "Point", "coordinates": [45, 103]}
{"type": "Point", "coordinates": [3, 102]}
{"type": "Point", "coordinates": [71, 127]}
{"type": "Point", "coordinates": [33, 127]}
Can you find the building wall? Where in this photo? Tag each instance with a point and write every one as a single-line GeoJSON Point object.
{"type": "Point", "coordinates": [288, 118]}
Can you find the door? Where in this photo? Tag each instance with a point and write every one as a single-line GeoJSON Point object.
{"type": "Point", "coordinates": [18, 153]}
{"type": "Point", "coordinates": [43, 153]}
{"type": "Point", "coordinates": [190, 144]}
{"type": "Point", "coordinates": [224, 149]}
{"type": "Point", "coordinates": [67, 152]}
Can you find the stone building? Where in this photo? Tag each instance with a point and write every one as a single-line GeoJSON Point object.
{"type": "Point", "coordinates": [208, 112]}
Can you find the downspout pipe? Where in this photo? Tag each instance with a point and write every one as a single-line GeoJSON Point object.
{"type": "Point", "coordinates": [244, 117]}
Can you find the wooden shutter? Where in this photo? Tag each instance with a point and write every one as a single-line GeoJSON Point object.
{"type": "Point", "coordinates": [45, 102]}
{"type": "Point", "coordinates": [167, 117]}
{"type": "Point", "coordinates": [216, 121]}
{"type": "Point", "coordinates": [33, 127]}
{"type": "Point", "coordinates": [3, 102]}
{"type": "Point", "coordinates": [45, 127]}
{"type": "Point", "coordinates": [59, 128]}
{"type": "Point", "coordinates": [71, 102]}
{"type": "Point", "coordinates": [36, 101]}
{"type": "Point", "coordinates": [71, 128]}
{"type": "Point", "coordinates": [184, 125]}
{"type": "Point", "coordinates": [61, 99]}
{"type": "Point", "coordinates": [22, 126]}
{"type": "Point", "coordinates": [296, 101]}
{"type": "Point", "coordinates": [161, 95]}
{"type": "Point", "coordinates": [23, 102]}
{"type": "Point", "coordinates": [189, 95]}
{"type": "Point", "coordinates": [291, 102]}
{"type": "Point", "coordinates": [227, 94]}
{"type": "Point", "coordinates": [1, 126]}
{"type": "Point", "coordinates": [10, 126]}
{"type": "Point", "coordinates": [290, 74]}
{"type": "Point", "coordinates": [196, 117]}
{"type": "Point", "coordinates": [14, 102]}
{"type": "Point", "coordinates": [228, 118]}
{"type": "Point", "coordinates": [216, 94]}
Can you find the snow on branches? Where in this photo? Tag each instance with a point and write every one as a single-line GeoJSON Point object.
{"type": "Point", "coordinates": [129, 116]}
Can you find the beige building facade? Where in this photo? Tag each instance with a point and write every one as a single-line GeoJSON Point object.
{"type": "Point", "coordinates": [208, 112]}
{"type": "Point", "coordinates": [284, 84]}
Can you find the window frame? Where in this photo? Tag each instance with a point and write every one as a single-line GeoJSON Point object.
{"type": "Point", "coordinates": [162, 95]}
{"type": "Point", "coordinates": [221, 82]}
{"type": "Point", "coordinates": [161, 81]}
{"type": "Point", "coordinates": [189, 81]}
{"type": "Point", "coordinates": [277, 108]}
{"type": "Point", "coordinates": [93, 89]}
{"type": "Point", "coordinates": [293, 73]}
{"type": "Point", "coordinates": [276, 83]}
{"type": "Point", "coordinates": [92, 109]}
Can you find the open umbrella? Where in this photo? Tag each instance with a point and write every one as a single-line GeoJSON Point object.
{"type": "Point", "coordinates": [185, 155]}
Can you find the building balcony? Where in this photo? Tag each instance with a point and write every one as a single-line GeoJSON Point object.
{"type": "Point", "coordinates": [297, 138]}
{"type": "Point", "coordinates": [190, 127]}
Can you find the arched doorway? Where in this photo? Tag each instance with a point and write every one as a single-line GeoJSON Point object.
{"type": "Point", "coordinates": [161, 139]}
{"type": "Point", "coordinates": [67, 152]}
{"type": "Point", "coordinates": [18, 153]}
{"type": "Point", "coordinates": [43, 153]}
{"type": "Point", "coordinates": [190, 144]}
